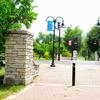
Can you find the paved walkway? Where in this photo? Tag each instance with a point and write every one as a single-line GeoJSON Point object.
{"type": "Point", "coordinates": [54, 83]}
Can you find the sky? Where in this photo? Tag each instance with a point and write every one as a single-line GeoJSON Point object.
{"type": "Point", "coordinates": [82, 13]}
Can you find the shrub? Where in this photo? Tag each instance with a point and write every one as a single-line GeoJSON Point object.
{"type": "Point", "coordinates": [66, 54]}
{"type": "Point", "coordinates": [47, 55]}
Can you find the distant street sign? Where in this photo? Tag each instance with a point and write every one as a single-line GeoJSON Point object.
{"type": "Point", "coordinates": [50, 26]}
{"type": "Point", "coordinates": [74, 55]}
{"type": "Point", "coordinates": [69, 42]}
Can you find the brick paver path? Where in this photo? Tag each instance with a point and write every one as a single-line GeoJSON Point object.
{"type": "Point", "coordinates": [54, 83]}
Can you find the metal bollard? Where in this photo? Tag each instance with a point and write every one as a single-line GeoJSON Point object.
{"type": "Point", "coordinates": [73, 74]}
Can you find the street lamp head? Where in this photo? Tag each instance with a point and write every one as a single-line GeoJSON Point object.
{"type": "Point", "coordinates": [59, 25]}
{"type": "Point", "coordinates": [63, 24]}
{"type": "Point", "coordinates": [61, 20]}
{"type": "Point", "coordinates": [98, 23]}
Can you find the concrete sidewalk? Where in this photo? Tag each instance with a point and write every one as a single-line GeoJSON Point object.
{"type": "Point", "coordinates": [54, 83]}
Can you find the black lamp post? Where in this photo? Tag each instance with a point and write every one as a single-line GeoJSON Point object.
{"type": "Point", "coordinates": [98, 23]}
{"type": "Point", "coordinates": [53, 40]}
{"type": "Point", "coordinates": [60, 25]}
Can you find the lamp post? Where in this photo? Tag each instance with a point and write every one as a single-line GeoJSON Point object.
{"type": "Point", "coordinates": [60, 25]}
{"type": "Point", "coordinates": [98, 22]}
{"type": "Point", "coordinates": [53, 39]}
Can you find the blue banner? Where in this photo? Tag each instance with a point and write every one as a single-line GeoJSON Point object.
{"type": "Point", "coordinates": [50, 26]}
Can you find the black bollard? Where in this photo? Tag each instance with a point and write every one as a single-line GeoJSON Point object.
{"type": "Point", "coordinates": [73, 74]}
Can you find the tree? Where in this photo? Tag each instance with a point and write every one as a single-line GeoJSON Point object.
{"type": "Point", "coordinates": [84, 50]}
{"type": "Point", "coordinates": [14, 13]}
{"type": "Point", "coordinates": [72, 38]}
{"type": "Point", "coordinates": [43, 45]}
{"type": "Point", "coordinates": [93, 44]}
{"type": "Point", "coordinates": [93, 38]}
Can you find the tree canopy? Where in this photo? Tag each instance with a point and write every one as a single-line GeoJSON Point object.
{"type": "Point", "coordinates": [14, 13]}
{"type": "Point", "coordinates": [43, 45]}
{"type": "Point", "coordinates": [93, 38]}
{"type": "Point", "coordinates": [74, 35]}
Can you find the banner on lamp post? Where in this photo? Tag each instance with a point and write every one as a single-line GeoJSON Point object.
{"type": "Point", "coordinates": [50, 26]}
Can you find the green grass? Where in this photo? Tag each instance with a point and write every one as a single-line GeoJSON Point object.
{"type": "Point", "coordinates": [8, 90]}
{"type": "Point", "coordinates": [80, 58]}
{"type": "Point", "coordinates": [2, 71]}
{"type": "Point", "coordinates": [37, 58]}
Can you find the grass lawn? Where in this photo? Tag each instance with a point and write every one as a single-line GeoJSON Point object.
{"type": "Point", "coordinates": [8, 90]}
{"type": "Point", "coordinates": [2, 71]}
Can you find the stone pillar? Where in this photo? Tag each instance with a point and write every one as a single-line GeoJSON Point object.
{"type": "Point", "coordinates": [19, 58]}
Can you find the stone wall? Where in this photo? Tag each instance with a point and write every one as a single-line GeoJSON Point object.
{"type": "Point", "coordinates": [19, 58]}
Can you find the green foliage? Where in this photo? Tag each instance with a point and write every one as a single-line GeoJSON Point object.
{"type": "Point", "coordinates": [43, 45]}
{"type": "Point", "coordinates": [92, 41]}
{"type": "Point", "coordinates": [84, 49]}
{"type": "Point", "coordinates": [93, 38]}
{"type": "Point", "coordinates": [93, 44]}
{"type": "Point", "coordinates": [75, 35]}
{"type": "Point", "coordinates": [8, 90]}
{"type": "Point", "coordinates": [2, 71]}
{"type": "Point", "coordinates": [47, 55]}
{"type": "Point", "coordinates": [66, 54]}
{"type": "Point", "coordinates": [14, 13]}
